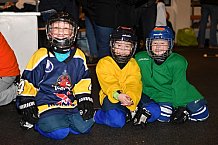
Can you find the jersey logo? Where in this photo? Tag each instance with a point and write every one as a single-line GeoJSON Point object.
{"type": "Point", "coordinates": [49, 66]}
{"type": "Point", "coordinates": [64, 85]}
{"type": "Point", "coordinates": [141, 59]}
{"type": "Point", "coordinates": [63, 82]}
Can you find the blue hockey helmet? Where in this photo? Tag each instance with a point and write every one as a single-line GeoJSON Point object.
{"type": "Point", "coordinates": [160, 33]}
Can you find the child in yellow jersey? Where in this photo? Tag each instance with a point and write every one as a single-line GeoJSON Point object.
{"type": "Point", "coordinates": [121, 87]}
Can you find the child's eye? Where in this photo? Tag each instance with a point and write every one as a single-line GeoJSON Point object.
{"type": "Point", "coordinates": [154, 43]}
{"type": "Point", "coordinates": [127, 47]}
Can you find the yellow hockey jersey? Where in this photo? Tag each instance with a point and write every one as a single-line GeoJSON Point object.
{"type": "Point", "coordinates": [112, 78]}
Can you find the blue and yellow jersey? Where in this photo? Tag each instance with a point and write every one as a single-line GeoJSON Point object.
{"type": "Point", "coordinates": [56, 84]}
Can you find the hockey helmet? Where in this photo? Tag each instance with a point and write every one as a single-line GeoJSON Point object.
{"type": "Point", "coordinates": [160, 33]}
{"type": "Point", "coordinates": [61, 31]}
{"type": "Point", "coordinates": [123, 34]}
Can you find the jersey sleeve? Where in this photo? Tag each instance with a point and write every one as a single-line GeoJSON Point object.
{"type": "Point", "coordinates": [83, 87]}
{"type": "Point", "coordinates": [182, 91]}
{"type": "Point", "coordinates": [108, 82]}
{"type": "Point", "coordinates": [33, 73]}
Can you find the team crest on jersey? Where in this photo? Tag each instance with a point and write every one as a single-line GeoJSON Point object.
{"type": "Point", "coordinates": [63, 82]}
{"type": "Point", "coordinates": [49, 66]}
{"type": "Point", "coordinates": [64, 85]}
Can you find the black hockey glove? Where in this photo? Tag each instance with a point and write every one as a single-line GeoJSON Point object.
{"type": "Point", "coordinates": [180, 115]}
{"type": "Point", "coordinates": [141, 116]}
{"type": "Point", "coordinates": [28, 110]}
{"type": "Point", "coordinates": [85, 107]}
{"type": "Point", "coordinates": [128, 116]}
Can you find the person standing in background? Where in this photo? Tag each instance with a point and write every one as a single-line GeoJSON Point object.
{"type": "Point", "coordinates": [109, 14]}
{"type": "Point", "coordinates": [88, 9]}
{"type": "Point", "coordinates": [9, 73]}
{"type": "Point", "coordinates": [208, 8]}
{"type": "Point", "coordinates": [163, 17]}
{"type": "Point", "coordinates": [161, 13]}
{"type": "Point", "coordinates": [145, 13]}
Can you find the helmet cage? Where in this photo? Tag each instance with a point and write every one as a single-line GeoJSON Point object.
{"type": "Point", "coordinates": [123, 35]}
{"type": "Point", "coordinates": [61, 45]}
{"type": "Point", "coordinates": [162, 57]}
{"type": "Point", "coordinates": [160, 33]}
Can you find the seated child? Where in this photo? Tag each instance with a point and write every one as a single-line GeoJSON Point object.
{"type": "Point", "coordinates": [164, 80]}
{"type": "Point", "coordinates": [55, 90]}
{"type": "Point", "coordinates": [9, 72]}
{"type": "Point", "coordinates": [121, 88]}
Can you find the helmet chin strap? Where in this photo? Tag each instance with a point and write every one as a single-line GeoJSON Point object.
{"type": "Point", "coordinates": [160, 60]}
{"type": "Point", "coordinates": [61, 50]}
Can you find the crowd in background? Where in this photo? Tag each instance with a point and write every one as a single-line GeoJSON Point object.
{"type": "Point", "coordinates": [101, 18]}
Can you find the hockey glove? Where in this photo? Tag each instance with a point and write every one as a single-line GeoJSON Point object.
{"type": "Point", "coordinates": [141, 116]}
{"type": "Point", "coordinates": [180, 115]}
{"type": "Point", "coordinates": [29, 111]}
{"type": "Point", "coordinates": [128, 116]}
{"type": "Point", "coordinates": [85, 107]}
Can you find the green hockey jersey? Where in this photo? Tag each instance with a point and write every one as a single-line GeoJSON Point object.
{"type": "Point", "coordinates": [167, 82]}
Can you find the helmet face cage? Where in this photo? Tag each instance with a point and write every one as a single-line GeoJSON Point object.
{"type": "Point", "coordinates": [126, 35]}
{"type": "Point", "coordinates": [159, 45]}
{"type": "Point", "coordinates": [159, 49]}
{"type": "Point", "coordinates": [61, 32]}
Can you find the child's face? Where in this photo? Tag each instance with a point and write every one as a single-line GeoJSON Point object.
{"type": "Point", "coordinates": [122, 48]}
{"type": "Point", "coordinates": [159, 46]}
{"type": "Point", "coordinates": [61, 30]}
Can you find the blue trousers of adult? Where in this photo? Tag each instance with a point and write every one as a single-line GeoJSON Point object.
{"type": "Point", "coordinates": [114, 114]}
{"type": "Point", "coordinates": [90, 34]}
{"type": "Point", "coordinates": [103, 40]}
{"type": "Point", "coordinates": [58, 126]}
{"type": "Point", "coordinates": [206, 11]}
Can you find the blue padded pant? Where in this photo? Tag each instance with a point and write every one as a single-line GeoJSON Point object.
{"type": "Point", "coordinates": [114, 115]}
{"type": "Point", "coordinates": [58, 126]}
{"type": "Point", "coordinates": [151, 106]}
{"type": "Point", "coordinates": [114, 118]}
{"type": "Point", "coordinates": [111, 114]}
{"type": "Point", "coordinates": [198, 111]}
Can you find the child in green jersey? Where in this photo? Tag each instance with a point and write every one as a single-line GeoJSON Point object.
{"type": "Point", "coordinates": [164, 80]}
